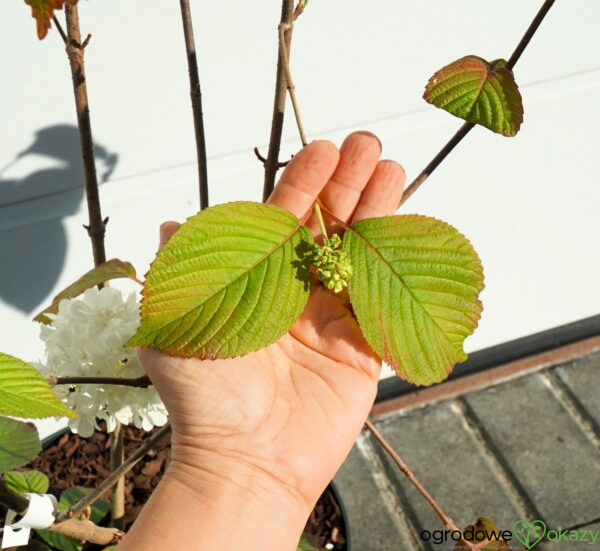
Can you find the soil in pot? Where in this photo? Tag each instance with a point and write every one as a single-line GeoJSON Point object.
{"type": "Point", "coordinates": [75, 461]}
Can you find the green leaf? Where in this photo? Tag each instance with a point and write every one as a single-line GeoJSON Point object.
{"type": "Point", "coordinates": [229, 282]}
{"type": "Point", "coordinates": [479, 92]}
{"type": "Point", "coordinates": [111, 269]}
{"type": "Point", "coordinates": [25, 393]}
{"type": "Point", "coordinates": [414, 291]}
{"type": "Point", "coordinates": [58, 541]}
{"type": "Point", "coordinates": [99, 509]}
{"type": "Point", "coordinates": [19, 443]}
{"type": "Point", "coordinates": [33, 482]}
{"type": "Point", "coordinates": [304, 544]}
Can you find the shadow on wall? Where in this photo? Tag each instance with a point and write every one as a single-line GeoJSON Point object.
{"type": "Point", "coordinates": [32, 256]}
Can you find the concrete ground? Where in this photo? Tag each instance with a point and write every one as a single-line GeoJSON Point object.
{"type": "Point", "coordinates": [522, 448]}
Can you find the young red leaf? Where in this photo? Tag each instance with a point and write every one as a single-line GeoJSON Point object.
{"type": "Point", "coordinates": [43, 10]}
{"type": "Point", "coordinates": [479, 92]}
{"type": "Point", "coordinates": [111, 269]}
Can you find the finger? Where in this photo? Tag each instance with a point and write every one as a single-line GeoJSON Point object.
{"type": "Point", "coordinates": [383, 192]}
{"type": "Point", "coordinates": [167, 229]}
{"type": "Point", "coordinates": [358, 158]}
{"type": "Point", "coordinates": [304, 177]}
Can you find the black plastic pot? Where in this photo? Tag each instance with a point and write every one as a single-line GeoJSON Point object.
{"type": "Point", "coordinates": [344, 516]}
{"type": "Point", "coordinates": [53, 438]}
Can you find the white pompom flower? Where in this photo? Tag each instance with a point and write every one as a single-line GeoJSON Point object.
{"type": "Point", "coordinates": [86, 339]}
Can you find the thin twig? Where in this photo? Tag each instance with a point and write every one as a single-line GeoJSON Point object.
{"type": "Point", "coordinates": [436, 161]}
{"type": "Point", "coordinates": [140, 382]}
{"type": "Point", "coordinates": [196, 96]}
{"type": "Point", "coordinates": [263, 160]}
{"type": "Point", "coordinates": [61, 31]}
{"type": "Point", "coordinates": [448, 522]}
{"type": "Point", "coordinates": [468, 126]}
{"type": "Point", "coordinates": [283, 28]}
{"type": "Point", "coordinates": [272, 164]}
{"type": "Point", "coordinates": [531, 30]}
{"type": "Point", "coordinates": [96, 227]}
{"type": "Point", "coordinates": [112, 478]}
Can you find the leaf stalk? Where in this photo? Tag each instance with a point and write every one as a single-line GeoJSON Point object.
{"type": "Point", "coordinates": [319, 215]}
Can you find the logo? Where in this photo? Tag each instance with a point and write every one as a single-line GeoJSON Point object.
{"type": "Point", "coordinates": [529, 533]}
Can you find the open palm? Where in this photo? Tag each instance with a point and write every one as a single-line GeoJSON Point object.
{"type": "Point", "coordinates": [292, 410]}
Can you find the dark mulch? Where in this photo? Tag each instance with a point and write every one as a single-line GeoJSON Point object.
{"type": "Point", "coordinates": [74, 461]}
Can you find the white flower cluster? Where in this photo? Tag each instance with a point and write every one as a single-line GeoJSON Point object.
{"type": "Point", "coordinates": [86, 338]}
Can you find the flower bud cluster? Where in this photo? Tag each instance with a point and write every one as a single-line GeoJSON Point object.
{"type": "Point", "coordinates": [332, 264]}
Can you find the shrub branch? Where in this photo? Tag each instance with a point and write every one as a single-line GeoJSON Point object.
{"type": "Point", "coordinates": [75, 51]}
{"type": "Point", "coordinates": [468, 126]}
{"type": "Point", "coordinates": [97, 224]}
{"type": "Point", "coordinates": [141, 382]}
{"type": "Point", "coordinates": [272, 160]}
{"type": "Point", "coordinates": [196, 97]}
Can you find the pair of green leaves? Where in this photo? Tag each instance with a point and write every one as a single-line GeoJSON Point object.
{"type": "Point", "coordinates": [232, 281]}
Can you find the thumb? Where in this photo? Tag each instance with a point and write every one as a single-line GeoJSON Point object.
{"type": "Point", "coordinates": [167, 229]}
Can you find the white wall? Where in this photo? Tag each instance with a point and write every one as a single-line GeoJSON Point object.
{"type": "Point", "coordinates": [528, 204]}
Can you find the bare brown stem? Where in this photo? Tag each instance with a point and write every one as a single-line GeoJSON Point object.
{"type": "Point", "coordinates": [75, 51]}
{"type": "Point", "coordinates": [448, 522]}
{"type": "Point", "coordinates": [468, 126]}
{"type": "Point", "coordinates": [112, 478]}
{"type": "Point", "coordinates": [272, 164]}
{"type": "Point", "coordinates": [87, 531]}
{"type": "Point", "coordinates": [283, 52]}
{"type": "Point", "coordinates": [436, 161]}
{"type": "Point", "coordinates": [97, 224]}
{"type": "Point", "coordinates": [531, 30]}
{"type": "Point", "coordinates": [196, 96]}
{"type": "Point", "coordinates": [141, 382]}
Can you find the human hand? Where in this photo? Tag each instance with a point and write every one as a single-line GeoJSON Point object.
{"type": "Point", "coordinates": [275, 425]}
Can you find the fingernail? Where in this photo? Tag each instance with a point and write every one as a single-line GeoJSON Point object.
{"type": "Point", "coordinates": [371, 135]}
{"type": "Point", "coordinates": [166, 231]}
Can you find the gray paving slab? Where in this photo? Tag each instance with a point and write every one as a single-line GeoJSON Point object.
{"type": "Point", "coordinates": [544, 447]}
{"type": "Point", "coordinates": [375, 526]}
{"type": "Point", "coordinates": [450, 462]}
{"type": "Point", "coordinates": [582, 377]}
